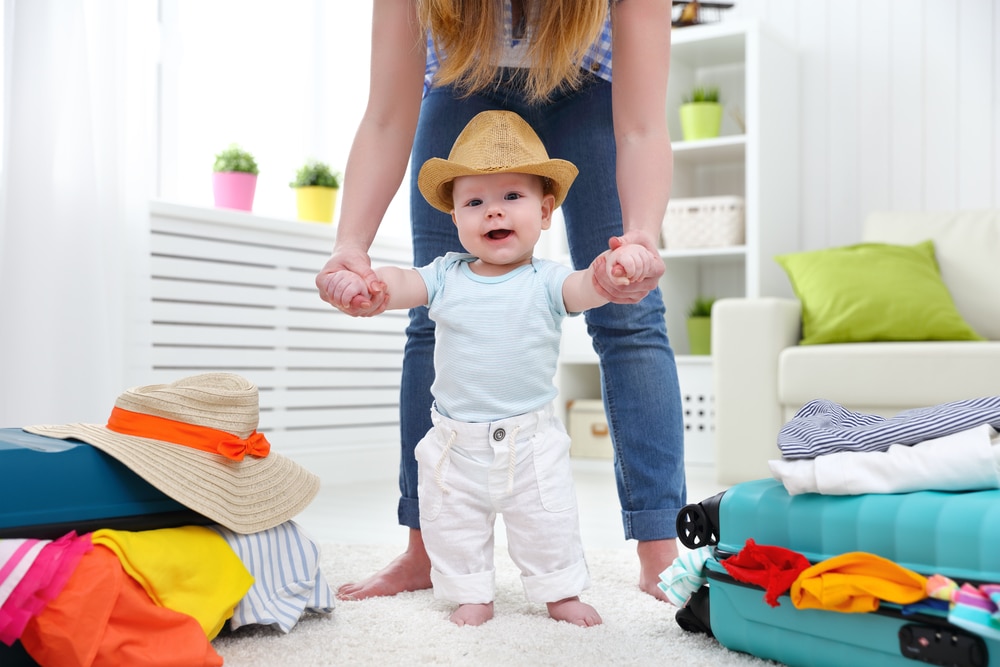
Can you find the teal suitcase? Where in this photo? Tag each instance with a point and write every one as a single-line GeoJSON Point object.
{"type": "Point", "coordinates": [953, 534]}
{"type": "Point", "coordinates": [50, 486]}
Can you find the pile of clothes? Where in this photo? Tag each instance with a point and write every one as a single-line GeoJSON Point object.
{"type": "Point", "coordinates": [158, 597]}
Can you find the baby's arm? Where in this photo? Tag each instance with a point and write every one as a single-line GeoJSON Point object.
{"type": "Point", "coordinates": [630, 263]}
{"type": "Point", "coordinates": [404, 288]}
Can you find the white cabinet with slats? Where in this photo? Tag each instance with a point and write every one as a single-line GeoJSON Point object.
{"type": "Point", "coordinates": [230, 291]}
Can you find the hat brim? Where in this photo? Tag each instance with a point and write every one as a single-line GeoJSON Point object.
{"type": "Point", "coordinates": [436, 173]}
{"type": "Point", "coordinates": [245, 496]}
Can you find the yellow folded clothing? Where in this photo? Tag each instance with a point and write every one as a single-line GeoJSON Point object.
{"type": "Point", "coordinates": [856, 582]}
{"type": "Point", "coordinates": [190, 569]}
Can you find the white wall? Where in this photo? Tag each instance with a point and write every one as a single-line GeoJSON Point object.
{"type": "Point", "coordinates": [291, 84]}
{"type": "Point", "coordinates": [899, 106]}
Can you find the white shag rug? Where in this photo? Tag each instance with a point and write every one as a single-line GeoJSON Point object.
{"type": "Point", "coordinates": [413, 628]}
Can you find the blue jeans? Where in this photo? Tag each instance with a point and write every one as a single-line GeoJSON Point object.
{"type": "Point", "coordinates": [638, 372]}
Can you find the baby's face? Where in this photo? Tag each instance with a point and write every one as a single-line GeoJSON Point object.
{"type": "Point", "coordinates": [501, 216]}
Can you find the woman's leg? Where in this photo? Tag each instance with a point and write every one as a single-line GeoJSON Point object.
{"type": "Point", "coordinates": [442, 117]}
{"type": "Point", "coordinates": [638, 370]}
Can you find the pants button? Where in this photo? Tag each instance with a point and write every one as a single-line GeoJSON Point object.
{"type": "Point", "coordinates": [499, 434]}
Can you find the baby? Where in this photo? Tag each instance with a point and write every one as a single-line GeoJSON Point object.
{"type": "Point", "coordinates": [495, 446]}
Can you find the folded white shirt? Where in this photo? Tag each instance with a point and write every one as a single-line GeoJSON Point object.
{"type": "Point", "coordinates": [963, 461]}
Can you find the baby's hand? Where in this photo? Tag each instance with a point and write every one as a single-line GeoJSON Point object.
{"type": "Point", "coordinates": [632, 263]}
{"type": "Point", "coordinates": [347, 287]}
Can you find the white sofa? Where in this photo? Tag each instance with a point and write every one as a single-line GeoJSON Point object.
{"type": "Point", "coordinates": [762, 376]}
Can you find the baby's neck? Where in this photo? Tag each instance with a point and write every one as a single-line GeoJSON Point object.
{"type": "Point", "coordinates": [489, 270]}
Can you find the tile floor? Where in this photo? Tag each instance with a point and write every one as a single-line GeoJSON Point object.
{"type": "Point", "coordinates": [365, 513]}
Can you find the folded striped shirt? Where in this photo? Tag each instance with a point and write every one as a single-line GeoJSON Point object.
{"type": "Point", "coordinates": [288, 581]}
{"type": "Point", "coordinates": [823, 427]}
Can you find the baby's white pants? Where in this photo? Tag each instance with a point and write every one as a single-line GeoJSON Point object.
{"type": "Point", "coordinates": [518, 467]}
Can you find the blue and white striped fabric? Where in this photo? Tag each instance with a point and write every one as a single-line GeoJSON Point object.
{"type": "Point", "coordinates": [288, 581]}
{"type": "Point", "coordinates": [596, 60]}
{"type": "Point", "coordinates": [824, 427]}
{"type": "Point", "coordinates": [685, 575]}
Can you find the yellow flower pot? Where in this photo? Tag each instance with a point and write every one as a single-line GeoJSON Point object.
{"type": "Point", "coordinates": [700, 120]}
{"type": "Point", "coordinates": [315, 203]}
{"type": "Point", "coordinates": [700, 335]}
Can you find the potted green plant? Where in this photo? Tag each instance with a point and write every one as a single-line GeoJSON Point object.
{"type": "Point", "coordinates": [701, 113]}
{"type": "Point", "coordinates": [699, 325]}
{"type": "Point", "coordinates": [316, 186]}
{"type": "Point", "coordinates": [234, 178]}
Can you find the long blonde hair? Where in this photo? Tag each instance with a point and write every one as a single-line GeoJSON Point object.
{"type": "Point", "coordinates": [467, 36]}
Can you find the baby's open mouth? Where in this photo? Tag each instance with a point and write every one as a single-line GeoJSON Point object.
{"type": "Point", "coordinates": [498, 234]}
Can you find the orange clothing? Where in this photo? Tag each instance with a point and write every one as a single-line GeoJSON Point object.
{"type": "Point", "coordinates": [855, 582]}
{"type": "Point", "coordinates": [104, 618]}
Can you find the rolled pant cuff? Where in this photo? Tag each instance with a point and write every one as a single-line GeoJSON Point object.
{"type": "Point", "coordinates": [647, 525]}
{"type": "Point", "coordinates": [555, 586]}
{"type": "Point", "coordinates": [408, 512]}
{"type": "Point", "coordinates": [475, 588]}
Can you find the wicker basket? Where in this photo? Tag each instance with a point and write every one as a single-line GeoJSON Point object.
{"type": "Point", "coordinates": [703, 222]}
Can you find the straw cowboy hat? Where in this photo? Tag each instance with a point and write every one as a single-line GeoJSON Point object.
{"type": "Point", "coordinates": [196, 440]}
{"type": "Point", "coordinates": [494, 142]}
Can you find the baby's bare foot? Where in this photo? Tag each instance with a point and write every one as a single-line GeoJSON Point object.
{"type": "Point", "coordinates": [572, 610]}
{"type": "Point", "coordinates": [472, 614]}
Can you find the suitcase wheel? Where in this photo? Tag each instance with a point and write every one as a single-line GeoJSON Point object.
{"type": "Point", "coordinates": [695, 527]}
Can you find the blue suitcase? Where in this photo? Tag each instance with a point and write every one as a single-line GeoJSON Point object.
{"type": "Point", "coordinates": [953, 534]}
{"type": "Point", "coordinates": [50, 486]}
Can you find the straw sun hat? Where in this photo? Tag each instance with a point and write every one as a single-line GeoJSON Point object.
{"type": "Point", "coordinates": [196, 440]}
{"type": "Point", "coordinates": [494, 142]}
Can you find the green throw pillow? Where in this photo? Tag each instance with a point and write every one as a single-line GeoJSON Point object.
{"type": "Point", "coordinates": [873, 292]}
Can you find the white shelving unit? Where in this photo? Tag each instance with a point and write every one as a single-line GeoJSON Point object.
{"type": "Point", "coordinates": [755, 157]}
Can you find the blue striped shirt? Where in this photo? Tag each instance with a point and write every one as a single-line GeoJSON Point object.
{"type": "Point", "coordinates": [596, 60]}
{"type": "Point", "coordinates": [288, 581]}
{"type": "Point", "coordinates": [824, 427]}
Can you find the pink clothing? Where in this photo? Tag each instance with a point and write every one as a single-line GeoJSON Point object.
{"type": "Point", "coordinates": [34, 574]}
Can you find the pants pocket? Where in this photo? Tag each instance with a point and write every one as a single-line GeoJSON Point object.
{"type": "Point", "coordinates": [430, 496]}
{"type": "Point", "coordinates": [553, 471]}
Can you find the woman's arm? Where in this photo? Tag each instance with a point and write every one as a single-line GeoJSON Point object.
{"type": "Point", "coordinates": [641, 60]}
{"type": "Point", "coordinates": [381, 147]}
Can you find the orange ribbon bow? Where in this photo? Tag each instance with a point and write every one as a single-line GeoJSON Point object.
{"type": "Point", "coordinates": [194, 436]}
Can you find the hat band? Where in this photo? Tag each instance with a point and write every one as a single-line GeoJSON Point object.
{"type": "Point", "coordinates": [194, 436]}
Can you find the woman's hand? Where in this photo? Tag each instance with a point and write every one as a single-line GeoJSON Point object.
{"type": "Point", "coordinates": [348, 283]}
{"type": "Point", "coordinates": [608, 281]}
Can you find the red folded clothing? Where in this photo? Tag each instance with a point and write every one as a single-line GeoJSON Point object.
{"type": "Point", "coordinates": [772, 568]}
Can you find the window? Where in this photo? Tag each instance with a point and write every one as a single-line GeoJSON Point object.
{"type": "Point", "coordinates": [287, 81]}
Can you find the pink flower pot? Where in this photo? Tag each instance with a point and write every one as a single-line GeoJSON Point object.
{"type": "Point", "coordinates": [234, 189]}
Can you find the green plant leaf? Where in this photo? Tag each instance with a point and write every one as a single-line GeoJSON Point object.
{"type": "Point", "coordinates": [701, 307]}
{"type": "Point", "coordinates": [703, 94]}
{"type": "Point", "coordinates": [316, 173]}
{"type": "Point", "coordinates": [235, 158]}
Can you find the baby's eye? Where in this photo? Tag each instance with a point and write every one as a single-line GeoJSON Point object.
{"type": "Point", "coordinates": [474, 202]}
{"type": "Point", "coordinates": [511, 196]}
